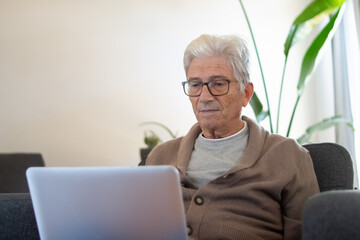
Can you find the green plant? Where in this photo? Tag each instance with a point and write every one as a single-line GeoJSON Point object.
{"type": "Point", "coordinates": [151, 139]}
{"type": "Point", "coordinates": [307, 20]}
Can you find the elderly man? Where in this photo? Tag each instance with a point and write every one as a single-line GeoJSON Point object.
{"type": "Point", "coordinates": [238, 180]}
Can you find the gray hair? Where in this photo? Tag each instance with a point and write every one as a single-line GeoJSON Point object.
{"type": "Point", "coordinates": [231, 47]}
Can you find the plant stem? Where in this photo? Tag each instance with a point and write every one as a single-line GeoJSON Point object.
{"type": "Point", "coordinates": [292, 115]}
{"type": "Point", "coordinates": [280, 95]}
{"type": "Point", "coordinates": [258, 58]}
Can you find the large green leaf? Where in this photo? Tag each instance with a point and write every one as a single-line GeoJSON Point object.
{"type": "Point", "coordinates": [308, 19]}
{"type": "Point", "coordinates": [312, 53]}
{"type": "Point", "coordinates": [324, 124]}
{"type": "Point", "coordinates": [257, 107]}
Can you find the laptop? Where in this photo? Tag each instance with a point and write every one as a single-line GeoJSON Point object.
{"type": "Point", "coordinates": [93, 203]}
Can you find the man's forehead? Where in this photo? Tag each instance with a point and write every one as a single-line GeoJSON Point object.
{"type": "Point", "coordinates": [209, 67]}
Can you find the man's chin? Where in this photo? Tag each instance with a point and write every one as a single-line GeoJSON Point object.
{"type": "Point", "coordinates": [208, 125]}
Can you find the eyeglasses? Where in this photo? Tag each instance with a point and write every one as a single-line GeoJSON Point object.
{"type": "Point", "coordinates": [216, 87]}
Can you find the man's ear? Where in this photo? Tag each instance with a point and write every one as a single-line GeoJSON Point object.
{"type": "Point", "coordinates": [248, 92]}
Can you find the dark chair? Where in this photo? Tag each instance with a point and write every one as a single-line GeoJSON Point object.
{"type": "Point", "coordinates": [17, 219]}
{"type": "Point", "coordinates": [332, 215]}
{"type": "Point", "coordinates": [12, 170]}
{"type": "Point", "coordinates": [333, 166]}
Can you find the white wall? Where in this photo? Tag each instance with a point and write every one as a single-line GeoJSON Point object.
{"type": "Point", "coordinates": [78, 77]}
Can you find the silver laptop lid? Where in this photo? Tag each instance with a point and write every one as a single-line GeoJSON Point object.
{"type": "Point", "coordinates": [107, 202]}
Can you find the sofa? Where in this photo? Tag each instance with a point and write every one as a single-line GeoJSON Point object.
{"type": "Point", "coordinates": [333, 168]}
{"type": "Point", "coordinates": [17, 220]}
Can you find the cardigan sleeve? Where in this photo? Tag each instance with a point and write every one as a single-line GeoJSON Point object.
{"type": "Point", "coordinates": [303, 185]}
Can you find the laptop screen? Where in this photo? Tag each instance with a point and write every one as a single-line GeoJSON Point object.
{"type": "Point", "coordinates": [107, 202]}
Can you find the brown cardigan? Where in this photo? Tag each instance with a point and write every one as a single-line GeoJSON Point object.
{"type": "Point", "coordinates": [260, 198]}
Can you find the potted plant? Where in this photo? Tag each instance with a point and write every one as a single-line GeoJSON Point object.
{"type": "Point", "coordinates": [151, 139]}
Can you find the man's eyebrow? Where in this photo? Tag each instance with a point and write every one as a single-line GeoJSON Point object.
{"type": "Point", "coordinates": [215, 77]}
{"type": "Point", "coordinates": [194, 79]}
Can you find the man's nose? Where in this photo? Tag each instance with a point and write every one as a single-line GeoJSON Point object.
{"type": "Point", "coordinates": [205, 94]}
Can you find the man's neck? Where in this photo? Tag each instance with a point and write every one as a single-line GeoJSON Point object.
{"type": "Point", "coordinates": [223, 132]}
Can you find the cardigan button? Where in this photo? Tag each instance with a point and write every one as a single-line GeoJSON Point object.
{"type": "Point", "coordinates": [199, 201]}
{"type": "Point", "coordinates": [189, 230]}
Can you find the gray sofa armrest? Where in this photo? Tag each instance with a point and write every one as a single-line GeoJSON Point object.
{"type": "Point", "coordinates": [332, 215]}
{"type": "Point", "coordinates": [17, 219]}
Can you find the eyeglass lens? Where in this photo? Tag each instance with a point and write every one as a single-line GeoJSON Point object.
{"type": "Point", "coordinates": [216, 87]}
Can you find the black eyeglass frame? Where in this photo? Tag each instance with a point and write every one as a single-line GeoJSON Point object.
{"type": "Point", "coordinates": [207, 85]}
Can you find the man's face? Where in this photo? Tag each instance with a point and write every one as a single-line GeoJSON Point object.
{"type": "Point", "coordinates": [218, 116]}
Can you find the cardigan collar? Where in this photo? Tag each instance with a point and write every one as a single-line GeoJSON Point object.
{"type": "Point", "coordinates": [257, 136]}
